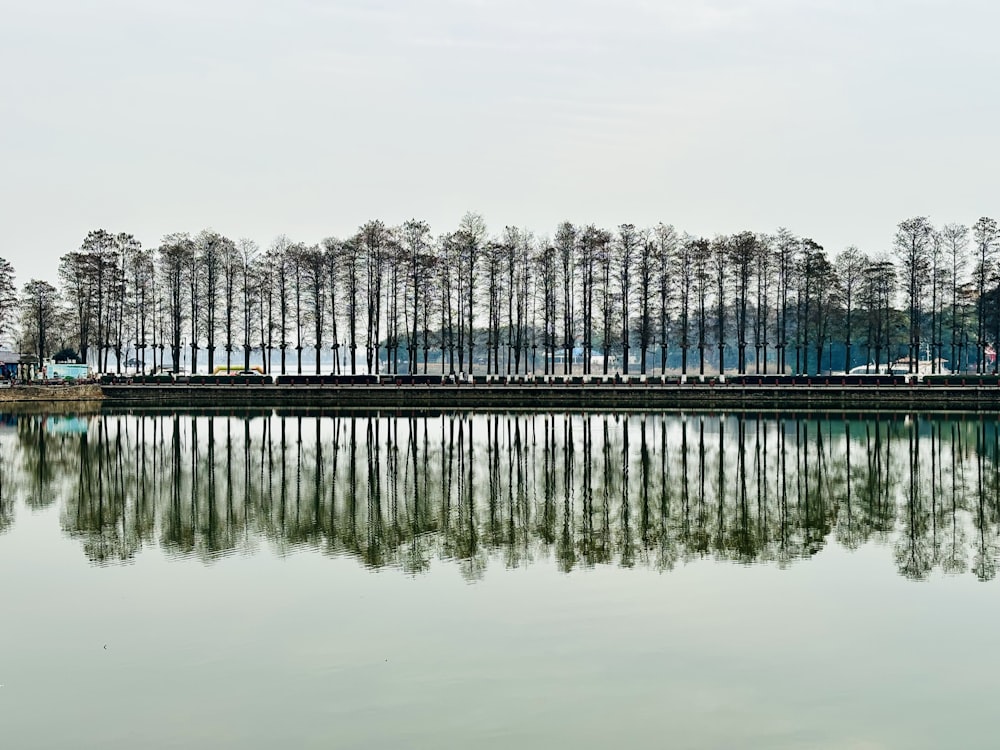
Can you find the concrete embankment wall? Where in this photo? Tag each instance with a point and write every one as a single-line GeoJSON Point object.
{"type": "Point", "coordinates": [605, 397]}
{"type": "Point", "coordinates": [50, 393]}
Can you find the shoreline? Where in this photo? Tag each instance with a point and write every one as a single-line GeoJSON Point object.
{"type": "Point", "coordinates": [562, 397]}
{"type": "Point", "coordinates": [526, 397]}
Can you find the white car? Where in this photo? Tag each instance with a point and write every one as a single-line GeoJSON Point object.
{"type": "Point", "coordinates": [870, 369]}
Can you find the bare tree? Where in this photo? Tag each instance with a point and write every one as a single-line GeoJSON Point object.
{"type": "Point", "coordinates": [125, 246]}
{"type": "Point", "coordinates": [986, 235]}
{"type": "Point", "coordinates": [666, 246]}
{"type": "Point", "coordinates": [373, 239]}
{"type": "Point", "coordinates": [566, 238]}
{"type": "Point", "coordinates": [683, 270]}
{"type": "Point", "coordinates": [39, 308]}
{"type": "Point", "coordinates": [521, 295]}
{"type": "Point", "coordinates": [281, 282]}
{"type": "Point", "coordinates": [912, 245]}
{"type": "Point", "coordinates": [351, 284]}
{"type": "Point", "coordinates": [265, 271]}
{"type": "Point", "coordinates": [589, 247]}
{"type": "Point", "coordinates": [228, 272]}
{"type": "Point", "coordinates": [472, 238]}
{"type": "Point", "coordinates": [628, 245]}
{"type": "Point", "coordinates": [296, 266]}
{"type": "Point", "coordinates": [142, 281]}
{"type": "Point", "coordinates": [314, 280]}
{"type": "Point", "coordinates": [785, 249]}
{"type": "Point", "coordinates": [429, 297]}
{"type": "Point", "coordinates": [194, 276]}
{"type": "Point", "coordinates": [851, 265]}
{"type": "Point", "coordinates": [79, 284]}
{"type": "Point", "coordinates": [763, 273]}
{"type": "Point", "coordinates": [546, 282]}
{"type": "Point", "coordinates": [645, 268]}
{"type": "Point", "coordinates": [720, 257]}
{"type": "Point", "coordinates": [248, 251]}
{"type": "Point", "coordinates": [416, 245]}
{"type": "Point", "coordinates": [825, 285]}
{"type": "Point", "coordinates": [605, 265]}
{"type": "Point", "coordinates": [495, 255]}
{"type": "Point", "coordinates": [395, 278]}
{"type": "Point", "coordinates": [938, 278]}
{"type": "Point", "coordinates": [701, 256]}
{"type": "Point", "coordinates": [8, 298]}
{"type": "Point", "coordinates": [876, 296]}
{"type": "Point", "coordinates": [176, 252]}
{"type": "Point", "coordinates": [99, 247]}
{"type": "Point", "coordinates": [333, 263]}
{"type": "Point", "coordinates": [956, 245]}
{"type": "Point", "coordinates": [741, 253]}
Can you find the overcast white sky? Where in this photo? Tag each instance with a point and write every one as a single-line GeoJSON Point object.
{"type": "Point", "coordinates": [835, 118]}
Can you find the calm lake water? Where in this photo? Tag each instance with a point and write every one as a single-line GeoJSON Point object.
{"type": "Point", "coordinates": [494, 581]}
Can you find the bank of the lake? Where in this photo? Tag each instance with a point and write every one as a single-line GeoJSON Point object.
{"type": "Point", "coordinates": [48, 394]}
{"type": "Point", "coordinates": [709, 395]}
{"type": "Point", "coordinates": [542, 396]}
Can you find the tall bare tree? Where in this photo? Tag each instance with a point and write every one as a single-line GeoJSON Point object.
{"type": "Point", "coordinates": [666, 247]}
{"type": "Point", "coordinates": [645, 270]}
{"type": "Point", "coordinates": [763, 273]}
{"type": "Point", "coordinates": [279, 264]}
{"type": "Point", "coordinates": [785, 249]}
{"type": "Point", "coordinates": [956, 246]}
{"type": "Point", "coordinates": [142, 282]}
{"type": "Point", "coordinates": [248, 252]}
{"type": "Point", "coordinates": [742, 252]}
{"type": "Point", "coordinates": [912, 245]}
{"type": "Point", "coordinates": [986, 236]}
{"type": "Point", "coordinates": [333, 262]}
{"type": "Point", "coordinates": [314, 280]}
{"type": "Point", "coordinates": [565, 242]}
{"type": "Point", "coordinates": [630, 240]}
{"type": "Point", "coordinates": [589, 247]}
{"type": "Point", "coordinates": [374, 241]}
{"type": "Point", "coordinates": [471, 235]}
{"type": "Point", "coordinates": [720, 269]}
{"type": "Point", "coordinates": [8, 298]}
{"type": "Point", "coordinates": [76, 275]}
{"type": "Point", "coordinates": [230, 265]}
{"type": "Point", "coordinates": [176, 257]}
{"type": "Point", "coordinates": [683, 270]}
{"type": "Point", "coordinates": [702, 276]}
{"type": "Point", "coordinates": [39, 308]}
{"type": "Point", "coordinates": [850, 264]}
{"type": "Point", "coordinates": [416, 245]}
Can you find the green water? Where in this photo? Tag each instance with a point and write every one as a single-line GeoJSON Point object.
{"type": "Point", "coordinates": [498, 581]}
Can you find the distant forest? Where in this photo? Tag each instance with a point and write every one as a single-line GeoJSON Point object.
{"type": "Point", "coordinates": [399, 299]}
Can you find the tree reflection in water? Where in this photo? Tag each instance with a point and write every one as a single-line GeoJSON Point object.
{"type": "Point", "coordinates": [646, 490]}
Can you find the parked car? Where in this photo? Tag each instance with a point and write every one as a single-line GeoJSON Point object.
{"type": "Point", "coordinates": [870, 369]}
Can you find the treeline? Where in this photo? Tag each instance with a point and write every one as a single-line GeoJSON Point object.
{"type": "Point", "coordinates": [584, 490]}
{"type": "Point", "coordinates": [400, 299]}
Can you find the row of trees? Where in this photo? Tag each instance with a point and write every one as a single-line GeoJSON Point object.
{"type": "Point", "coordinates": [399, 298]}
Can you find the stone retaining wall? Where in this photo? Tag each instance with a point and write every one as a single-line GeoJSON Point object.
{"type": "Point", "coordinates": [570, 397]}
{"type": "Point", "coordinates": [50, 393]}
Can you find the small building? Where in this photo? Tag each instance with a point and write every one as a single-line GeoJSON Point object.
{"type": "Point", "coordinates": [9, 364]}
{"type": "Point", "coordinates": [920, 367]}
{"type": "Point", "coordinates": [66, 371]}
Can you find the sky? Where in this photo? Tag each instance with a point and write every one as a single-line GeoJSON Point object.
{"type": "Point", "coordinates": [835, 118]}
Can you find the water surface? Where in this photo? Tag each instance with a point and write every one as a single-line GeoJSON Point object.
{"type": "Point", "coordinates": [187, 580]}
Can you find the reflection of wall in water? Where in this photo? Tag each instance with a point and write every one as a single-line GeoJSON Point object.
{"type": "Point", "coordinates": [585, 489]}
